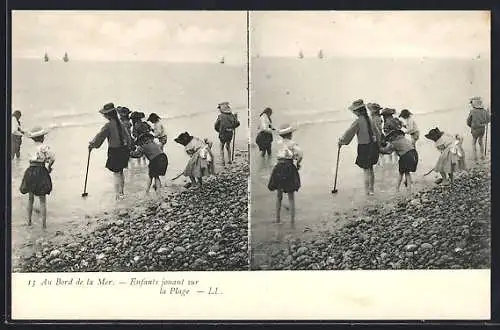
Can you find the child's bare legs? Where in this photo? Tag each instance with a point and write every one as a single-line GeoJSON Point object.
{"type": "Point", "coordinates": [157, 184]}
{"type": "Point", "coordinates": [481, 147]}
{"type": "Point", "coordinates": [400, 179]}
{"type": "Point", "coordinates": [148, 185]}
{"type": "Point", "coordinates": [279, 197]}
{"type": "Point", "coordinates": [367, 180]}
{"type": "Point", "coordinates": [200, 182]}
{"type": "Point", "coordinates": [31, 200]}
{"type": "Point", "coordinates": [474, 149]}
{"type": "Point", "coordinates": [119, 183]}
{"type": "Point", "coordinates": [409, 181]}
{"type": "Point", "coordinates": [43, 210]}
{"type": "Point", "coordinates": [291, 200]}
{"type": "Point", "coordinates": [228, 148]}
{"type": "Point", "coordinates": [372, 181]}
{"type": "Point", "coordinates": [222, 153]}
{"type": "Point", "coordinates": [193, 181]}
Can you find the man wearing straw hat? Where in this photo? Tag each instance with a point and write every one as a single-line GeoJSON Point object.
{"type": "Point", "coordinates": [225, 125]}
{"type": "Point", "coordinates": [477, 120]}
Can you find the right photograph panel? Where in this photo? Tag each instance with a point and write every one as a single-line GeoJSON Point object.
{"type": "Point", "coordinates": [370, 140]}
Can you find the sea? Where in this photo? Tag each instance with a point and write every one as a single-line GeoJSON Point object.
{"type": "Point", "coordinates": [314, 94]}
{"type": "Point", "coordinates": [66, 97]}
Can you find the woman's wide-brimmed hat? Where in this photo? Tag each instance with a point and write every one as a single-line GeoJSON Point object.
{"type": "Point", "coordinates": [224, 107]}
{"type": "Point", "coordinates": [434, 134]}
{"type": "Point", "coordinates": [374, 107]}
{"type": "Point", "coordinates": [183, 138]}
{"type": "Point", "coordinates": [388, 111]}
{"type": "Point", "coordinates": [405, 113]}
{"type": "Point", "coordinates": [153, 117]}
{"type": "Point", "coordinates": [476, 102]}
{"type": "Point", "coordinates": [356, 105]}
{"type": "Point", "coordinates": [286, 129]}
{"type": "Point", "coordinates": [107, 108]}
{"type": "Point", "coordinates": [37, 131]}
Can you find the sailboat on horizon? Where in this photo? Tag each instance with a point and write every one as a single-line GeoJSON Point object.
{"type": "Point", "coordinates": [222, 61]}
{"type": "Point", "coordinates": [320, 54]}
{"type": "Point", "coordinates": [46, 58]}
{"type": "Point", "coordinates": [301, 55]}
{"type": "Point", "coordinates": [65, 58]}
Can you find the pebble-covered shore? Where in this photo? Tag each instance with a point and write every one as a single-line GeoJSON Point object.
{"type": "Point", "coordinates": [195, 229]}
{"type": "Point", "coordinates": [442, 227]}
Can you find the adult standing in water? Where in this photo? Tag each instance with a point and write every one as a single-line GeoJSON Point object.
{"type": "Point", "coordinates": [17, 135]}
{"type": "Point", "coordinates": [119, 143]}
{"type": "Point", "coordinates": [265, 136]}
{"type": "Point", "coordinates": [368, 143]}
{"type": "Point", "coordinates": [225, 124]}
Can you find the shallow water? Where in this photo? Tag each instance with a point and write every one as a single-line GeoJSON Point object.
{"type": "Point", "coordinates": [66, 97]}
{"type": "Point", "coordinates": [312, 96]}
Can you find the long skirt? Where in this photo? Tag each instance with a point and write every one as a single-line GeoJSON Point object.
{"type": "Point", "coordinates": [408, 162]}
{"type": "Point", "coordinates": [284, 176]}
{"type": "Point", "coordinates": [368, 155]}
{"type": "Point", "coordinates": [36, 180]}
{"type": "Point", "coordinates": [198, 167]}
{"type": "Point", "coordinates": [118, 159]}
{"type": "Point", "coordinates": [158, 166]}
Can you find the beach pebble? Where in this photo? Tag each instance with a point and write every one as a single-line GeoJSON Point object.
{"type": "Point", "coordinates": [54, 254]}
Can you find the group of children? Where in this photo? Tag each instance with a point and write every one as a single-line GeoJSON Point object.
{"type": "Point", "coordinates": [129, 136]}
{"type": "Point", "coordinates": [377, 133]}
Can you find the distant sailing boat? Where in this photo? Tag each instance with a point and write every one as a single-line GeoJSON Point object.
{"type": "Point", "coordinates": [301, 55]}
{"type": "Point", "coordinates": [46, 58]}
{"type": "Point", "coordinates": [222, 60]}
{"type": "Point", "coordinates": [320, 54]}
{"type": "Point", "coordinates": [65, 58]}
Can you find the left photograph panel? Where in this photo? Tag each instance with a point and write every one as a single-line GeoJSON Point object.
{"type": "Point", "coordinates": [129, 141]}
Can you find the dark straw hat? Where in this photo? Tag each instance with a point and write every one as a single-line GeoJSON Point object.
{"type": "Point", "coordinates": [356, 105]}
{"type": "Point", "coordinates": [107, 108]}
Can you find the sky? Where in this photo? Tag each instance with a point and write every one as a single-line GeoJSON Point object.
{"type": "Point", "coordinates": [460, 34]}
{"type": "Point", "coordinates": [184, 36]}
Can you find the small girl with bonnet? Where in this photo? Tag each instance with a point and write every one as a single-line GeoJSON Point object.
{"type": "Point", "coordinates": [285, 176]}
{"type": "Point", "coordinates": [36, 180]}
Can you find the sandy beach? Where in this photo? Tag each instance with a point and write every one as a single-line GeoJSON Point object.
{"type": "Point", "coordinates": [185, 229]}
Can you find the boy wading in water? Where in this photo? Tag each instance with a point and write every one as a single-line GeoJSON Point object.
{"type": "Point", "coordinates": [225, 124]}
{"type": "Point", "coordinates": [368, 143]}
{"type": "Point", "coordinates": [408, 156]}
{"type": "Point", "coordinates": [119, 144]}
{"type": "Point", "coordinates": [477, 120]}
{"type": "Point", "coordinates": [36, 179]}
{"type": "Point", "coordinates": [285, 176]}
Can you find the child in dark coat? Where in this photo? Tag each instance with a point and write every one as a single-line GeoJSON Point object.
{"type": "Point", "coordinates": [225, 125]}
